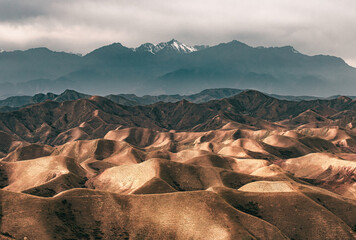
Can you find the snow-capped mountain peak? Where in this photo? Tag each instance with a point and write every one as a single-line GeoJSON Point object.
{"type": "Point", "coordinates": [181, 47]}
{"type": "Point", "coordinates": [2, 50]}
{"type": "Point", "coordinates": [171, 46]}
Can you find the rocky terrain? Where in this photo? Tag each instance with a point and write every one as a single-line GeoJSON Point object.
{"type": "Point", "coordinates": [246, 167]}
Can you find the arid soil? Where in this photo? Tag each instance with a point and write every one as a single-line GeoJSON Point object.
{"type": "Point", "coordinates": [247, 167]}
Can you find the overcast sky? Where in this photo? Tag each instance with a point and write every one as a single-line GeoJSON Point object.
{"type": "Point", "coordinates": [312, 27]}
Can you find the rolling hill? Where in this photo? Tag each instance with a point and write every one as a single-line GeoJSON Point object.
{"type": "Point", "coordinates": [249, 166]}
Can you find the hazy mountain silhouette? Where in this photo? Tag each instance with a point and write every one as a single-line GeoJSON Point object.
{"type": "Point", "coordinates": [173, 67]}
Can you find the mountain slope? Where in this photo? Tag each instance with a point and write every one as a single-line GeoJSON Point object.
{"type": "Point", "coordinates": [36, 63]}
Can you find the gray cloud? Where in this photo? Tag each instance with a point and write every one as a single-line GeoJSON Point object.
{"type": "Point", "coordinates": [313, 27]}
{"type": "Point", "coordinates": [20, 11]}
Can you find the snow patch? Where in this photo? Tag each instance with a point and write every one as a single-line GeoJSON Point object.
{"type": "Point", "coordinates": [172, 45]}
{"type": "Point", "coordinates": [294, 51]}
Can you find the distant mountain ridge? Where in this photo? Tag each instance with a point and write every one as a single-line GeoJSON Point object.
{"type": "Point", "coordinates": [203, 96]}
{"type": "Point", "coordinates": [50, 122]}
{"type": "Point", "coordinates": [15, 102]}
{"type": "Point", "coordinates": [173, 67]}
{"type": "Point", "coordinates": [19, 101]}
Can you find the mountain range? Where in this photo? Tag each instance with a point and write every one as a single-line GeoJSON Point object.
{"type": "Point", "coordinates": [54, 122]}
{"type": "Point", "coordinates": [169, 141]}
{"type": "Point", "coordinates": [16, 102]}
{"type": "Point", "coordinates": [123, 99]}
{"type": "Point", "coordinates": [173, 67]}
{"type": "Point", "coordinates": [248, 166]}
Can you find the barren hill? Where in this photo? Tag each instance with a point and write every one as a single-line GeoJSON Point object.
{"type": "Point", "coordinates": [246, 167]}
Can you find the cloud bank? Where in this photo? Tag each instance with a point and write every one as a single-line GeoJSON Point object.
{"type": "Point", "coordinates": [312, 27]}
